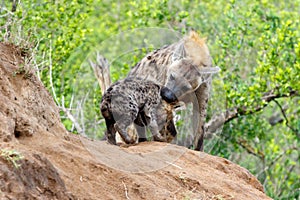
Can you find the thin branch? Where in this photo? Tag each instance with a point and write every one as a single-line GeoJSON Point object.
{"type": "Point", "coordinates": [250, 149]}
{"type": "Point", "coordinates": [71, 102]}
{"type": "Point", "coordinates": [70, 116]}
{"type": "Point", "coordinates": [73, 120]}
{"type": "Point", "coordinates": [267, 98]}
{"type": "Point", "coordinates": [276, 159]}
{"type": "Point", "coordinates": [267, 168]}
{"type": "Point", "coordinates": [50, 75]}
{"type": "Point", "coordinates": [286, 119]}
{"type": "Point", "coordinates": [100, 121]}
{"type": "Point", "coordinates": [2, 6]}
{"type": "Point", "coordinates": [14, 6]}
{"type": "Point", "coordinates": [33, 57]}
{"type": "Point", "coordinates": [82, 102]}
{"type": "Point", "coordinates": [285, 179]}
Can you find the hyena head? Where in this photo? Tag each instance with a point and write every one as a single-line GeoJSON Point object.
{"type": "Point", "coordinates": [183, 76]}
{"type": "Point", "coordinates": [190, 57]}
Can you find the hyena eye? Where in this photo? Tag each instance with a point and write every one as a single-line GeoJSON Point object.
{"type": "Point", "coordinates": [204, 65]}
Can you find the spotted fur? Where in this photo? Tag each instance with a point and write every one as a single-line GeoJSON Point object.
{"type": "Point", "coordinates": [143, 103]}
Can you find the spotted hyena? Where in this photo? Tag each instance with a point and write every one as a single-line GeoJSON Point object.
{"type": "Point", "coordinates": [181, 67]}
{"type": "Point", "coordinates": [139, 102]}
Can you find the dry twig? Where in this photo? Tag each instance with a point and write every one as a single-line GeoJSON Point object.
{"type": "Point", "coordinates": [126, 190]}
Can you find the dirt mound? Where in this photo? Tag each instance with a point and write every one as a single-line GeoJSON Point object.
{"type": "Point", "coordinates": [27, 106]}
{"type": "Point", "coordinates": [34, 177]}
{"type": "Point", "coordinates": [39, 159]}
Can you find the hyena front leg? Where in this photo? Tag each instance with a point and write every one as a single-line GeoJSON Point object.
{"type": "Point", "coordinates": [141, 130]}
{"type": "Point", "coordinates": [202, 94]}
{"type": "Point", "coordinates": [153, 126]}
{"type": "Point", "coordinates": [141, 123]}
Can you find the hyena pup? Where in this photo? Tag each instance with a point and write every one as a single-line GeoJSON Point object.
{"type": "Point", "coordinates": [139, 102]}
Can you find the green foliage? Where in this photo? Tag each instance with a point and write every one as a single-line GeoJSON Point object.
{"type": "Point", "coordinates": [255, 43]}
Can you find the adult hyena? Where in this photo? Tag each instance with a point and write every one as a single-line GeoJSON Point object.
{"type": "Point", "coordinates": [139, 102]}
{"type": "Point", "coordinates": [165, 66]}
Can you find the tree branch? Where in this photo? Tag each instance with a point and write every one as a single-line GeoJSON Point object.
{"type": "Point", "coordinates": [217, 121]}
{"type": "Point", "coordinates": [101, 70]}
{"type": "Point", "coordinates": [277, 117]}
{"type": "Point", "coordinates": [243, 143]}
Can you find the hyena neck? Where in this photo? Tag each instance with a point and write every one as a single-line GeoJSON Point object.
{"type": "Point", "coordinates": [154, 65]}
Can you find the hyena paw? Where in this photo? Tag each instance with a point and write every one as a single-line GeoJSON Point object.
{"type": "Point", "coordinates": [129, 140]}
{"type": "Point", "coordinates": [159, 138]}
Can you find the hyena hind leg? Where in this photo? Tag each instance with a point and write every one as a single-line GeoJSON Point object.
{"type": "Point", "coordinates": [110, 133]}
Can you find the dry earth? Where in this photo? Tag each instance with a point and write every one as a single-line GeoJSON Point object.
{"type": "Point", "coordinates": [51, 163]}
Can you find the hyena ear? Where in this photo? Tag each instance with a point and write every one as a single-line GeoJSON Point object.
{"type": "Point", "coordinates": [168, 95]}
{"type": "Point", "coordinates": [179, 52]}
